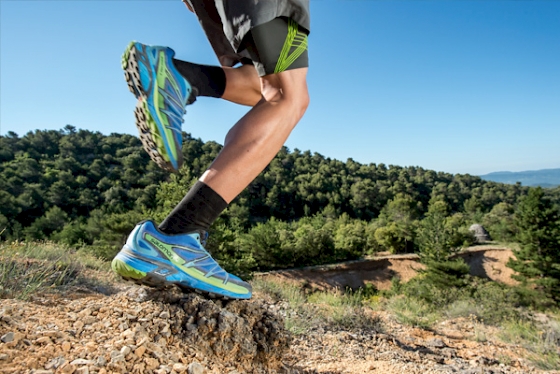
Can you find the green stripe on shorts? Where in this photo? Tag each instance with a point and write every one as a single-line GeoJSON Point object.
{"type": "Point", "coordinates": [294, 46]}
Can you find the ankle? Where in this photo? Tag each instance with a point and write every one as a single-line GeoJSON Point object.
{"type": "Point", "coordinates": [205, 80]}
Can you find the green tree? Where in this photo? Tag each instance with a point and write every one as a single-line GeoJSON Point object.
{"type": "Point", "coordinates": [435, 239]}
{"type": "Point", "coordinates": [398, 220]}
{"type": "Point", "coordinates": [266, 245]}
{"type": "Point", "coordinates": [54, 220]}
{"type": "Point", "coordinates": [350, 239]}
{"type": "Point", "coordinates": [500, 222]}
{"type": "Point", "coordinates": [537, 262]}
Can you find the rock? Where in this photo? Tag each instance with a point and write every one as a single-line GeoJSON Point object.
{"type": "Point", "coordinates": [67, 369]}
{"type": "Point", "coordinates": [8, 338]}
{"type": "Point", "coordinates": [125, 350]}
{"type": "Point", "coordinates": [480, 233]}
{"type": "Point", "coordinates": [195, 368]}
{"type": "Point", "coordinates": [435, 343]}
{"type": "Point", "coordinates": [117, 356]}
{"type": "Point", "coordinates": [90, 320]}
{"type": "Point", "coordinates": [128, 334]}
{"type": "Point", "coordinates": [53, 334]}
{"type": "Point", "coordinates": [179, 368]}
{"type": "Point", "coordinates": [81, 361]}
{"type": "Point", "coordinates": [140, 351]}
{"type": "Point", "coordinates": [43, 340]}
{"type": "Point", "coordinates": [151, 363]}
{"type": "Point", "coordinates": [101, 361]}
{"type": "Point", "coordinates": [436, 358]}
{"type": "Point", "coordinates": [163, 369]}
{"type": "Point", "coordinates": [382, 337]}
{"type": "Point", "coordinates": [55, 363]}
{"type": "Point", "coordinates": [138, 294]}
{"type": "Point", "coordinates": [66, 346]}
{"type": "Point", "coordinates": [449, 353]}
{"type": "Point", "coordinates": [4, 357]}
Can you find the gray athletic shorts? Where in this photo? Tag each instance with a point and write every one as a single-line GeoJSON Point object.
{"type": "Point", "coordinates": [271, 34]}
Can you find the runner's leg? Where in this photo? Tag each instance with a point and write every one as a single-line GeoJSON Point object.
{"type": "Point", "coordinates": [257, 137]}
{"type": "Point", "coordinates": [279, 52]}
{"type": "Point", "coordinates": [239, 85]}
{"type": "Point", "coordinates": [242, 85]}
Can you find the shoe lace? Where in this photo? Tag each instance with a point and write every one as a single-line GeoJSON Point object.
{"type": "Point", "coordinates": [203, 237]}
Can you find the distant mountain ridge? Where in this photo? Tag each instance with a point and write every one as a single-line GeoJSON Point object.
{"type": "Point", "coordinates": [543, 177]}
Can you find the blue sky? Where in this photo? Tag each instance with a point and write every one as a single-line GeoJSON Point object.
{"type": "Point", "coordinates": [455, 86]}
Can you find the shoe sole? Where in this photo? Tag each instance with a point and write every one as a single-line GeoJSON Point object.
{"type": "Point", "coordinates": [147, 126]}
{"type": "Point", "coordinates": [129, 273]}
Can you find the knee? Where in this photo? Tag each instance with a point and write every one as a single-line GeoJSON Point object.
{"type": "Point", "coordinates": [297, 102]}
{"type": "Point", "coordinates": [302, 102]}
{"type": "Point", "coordinates": [290, 88]}
{"type": "Point", "coordinates": [295, 90]}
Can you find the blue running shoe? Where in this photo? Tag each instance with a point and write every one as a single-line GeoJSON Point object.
{"type": "Point", "coordinates": [163, 94]}
{"type": "Point", "coordinates": [152, 258]}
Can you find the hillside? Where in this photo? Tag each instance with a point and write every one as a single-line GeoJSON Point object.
{"type": "Point", "coordinates": [68, 200]}
{"type": "Point", "coordinates": [81, 187]}
{"type": "Point", "coordinates": [94, 323]}
{"type": "Point", "coordinates": [543, 178]}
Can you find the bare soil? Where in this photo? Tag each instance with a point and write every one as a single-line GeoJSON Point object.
{"type": "Point", "coordinates": [485, 261]}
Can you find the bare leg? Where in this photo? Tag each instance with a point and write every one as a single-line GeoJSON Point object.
{"type": "Point", "coordinates": [256, 138]}
{"type": "Point", "coordinates": [243, 85]}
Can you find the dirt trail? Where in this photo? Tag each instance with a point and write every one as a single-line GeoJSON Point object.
{"type": "Point", "coordinates": [487, 262]}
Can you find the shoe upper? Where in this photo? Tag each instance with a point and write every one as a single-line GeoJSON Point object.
{"type": "Point", "coordinates": [188, 256]}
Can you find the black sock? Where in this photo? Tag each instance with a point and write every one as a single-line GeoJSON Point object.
{"type": "Point", "coordinates": [206, 80]}
{"type": "Point", "coordinates": [196, 212]}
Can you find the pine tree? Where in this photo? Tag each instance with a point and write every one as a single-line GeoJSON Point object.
{"type": "Point", "coordinates": [436, 240]}
{"type": "Point", "coordinates": [537, 262]}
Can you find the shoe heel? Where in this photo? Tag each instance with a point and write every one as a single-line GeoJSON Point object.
{"type": "Point", "coordinates": [126, 271]}
{"type": "Point", "coordinates": [129, 273]}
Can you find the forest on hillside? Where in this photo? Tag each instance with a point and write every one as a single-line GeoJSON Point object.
{"type": "Point", "coordinates": [87, 189]}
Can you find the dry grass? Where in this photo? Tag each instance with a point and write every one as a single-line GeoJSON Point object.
{"type": "Point", "coordinates": [27, 269]}
{"type": "Point", "coordinates": [339, 310]}
{"type": "Point", "coordinates": [541, 340]}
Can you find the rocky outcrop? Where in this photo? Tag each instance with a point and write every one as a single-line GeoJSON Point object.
{"type": "Point", "coordinates": [140, 331]}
